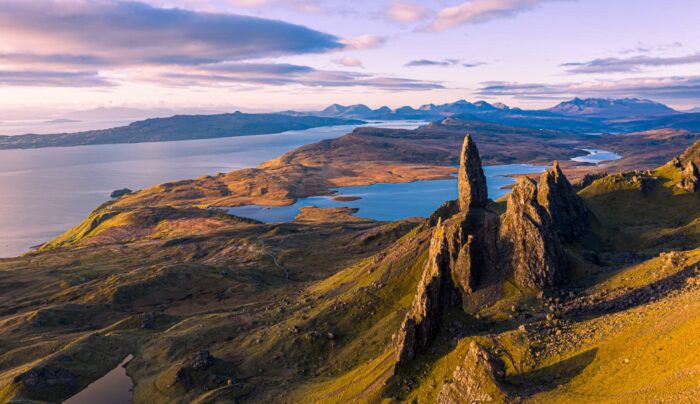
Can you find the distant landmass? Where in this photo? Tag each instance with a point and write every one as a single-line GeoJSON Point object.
{"type": "Point", "coordinates": [178, 127]}
{"type": "Point", "coordinates": [612, 108]}
{"type": "Point", "coordinates": [585, 116]}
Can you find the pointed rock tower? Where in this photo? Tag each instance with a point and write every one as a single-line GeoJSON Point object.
{"type": "Point", "coordinates": [569, 214]}
{"type": "Point", "coordinates": [528, 239]}
{"type": "Point", "coordinates": [463, 241]}
{"type": "Point", "coordinates": [471, 179]}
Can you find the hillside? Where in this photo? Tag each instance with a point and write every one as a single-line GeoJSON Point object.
{"type": "Point", "coordinates": [178, 127]}
{"type": "Point", "coordinates": [551, 295]}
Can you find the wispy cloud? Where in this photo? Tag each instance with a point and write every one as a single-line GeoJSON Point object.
{"type": "Point", "coordinates": [364, 42]}
{"type": "Point", "coordinates": [669, 88]}
{"type": "Point", "coordinates": [406, 12]}
{"type": "Point", "coordinates": [52, 79]}
{"type": "Point", "coordinates": [480, 11]}
{"type": "Point", "coordinates": [286, 74]}
{"type": "Point", "coordinates": [441, 63]}
{"type": "Point", "coordinates": [630, 64]}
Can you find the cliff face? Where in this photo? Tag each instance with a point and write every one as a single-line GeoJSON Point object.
{"type": "Point", "coordinates": [569, 214]}
{"type": "Point", "coordinates": [436, 292]}
{"type": "Point", "coordinates": [529, 242]}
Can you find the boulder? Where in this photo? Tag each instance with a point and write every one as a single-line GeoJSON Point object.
{"type": "Point", "coordinates": [529, 243]}
{"type": "Point", "coordinates": [479, 379]}
{"type": "Point", "coordinates": [568, 213]}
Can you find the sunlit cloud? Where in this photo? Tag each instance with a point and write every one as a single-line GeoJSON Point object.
{"type": "Point", "coordinates": [480, 11]}
{"type": "Point", "coordinates": [135, 33]}
{"type": "Point", "coordinates": [406, 12]}
{"type": "Point", "coordinates": [348, 61]}
{"type": "Point", "coordinates": [364, 42]}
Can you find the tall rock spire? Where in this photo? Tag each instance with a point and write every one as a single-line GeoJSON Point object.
{"type": "Point", "coordinates": [471, 179]}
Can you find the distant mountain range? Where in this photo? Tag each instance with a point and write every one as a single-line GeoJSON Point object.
{"type": "Point", "coordinates": [178, 127]}
{"type": "Point", "coordinates": [587, 108]}
{"type": "Point", "coordinates": [612, 108]}
{"type": "Point", "coordinates": [591, 115]}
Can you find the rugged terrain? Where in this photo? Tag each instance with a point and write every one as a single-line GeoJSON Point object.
{"type": "Point", "coordinates": [559, 293]}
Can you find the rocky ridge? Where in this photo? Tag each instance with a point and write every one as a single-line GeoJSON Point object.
{"type": "Point", "coordinates": [477, 380]}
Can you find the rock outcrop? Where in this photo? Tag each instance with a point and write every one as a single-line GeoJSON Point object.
{"type": "Point", "coordinates": [436, 292]}
{"type": "Point", "coordinates": [479, 379]}
{"type": "Point", "coordinates": [529, 243]}
{"type": "Point", "coordinates": [471, 179]}
{"type": "Point", "coordinates": [569, 214]}
{"type": "Point", "coordinates": [45, 379]}
{"type": "Point", "coordinates": [690, 178]}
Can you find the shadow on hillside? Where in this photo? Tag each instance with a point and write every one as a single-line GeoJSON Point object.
{"type": "Point", "coordinates": [549, 377]}
{"type": "Point", "coordinates": [638, 296]}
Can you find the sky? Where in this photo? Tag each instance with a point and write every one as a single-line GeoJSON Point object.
{"type": "Point", "coordinates": [255, 55]}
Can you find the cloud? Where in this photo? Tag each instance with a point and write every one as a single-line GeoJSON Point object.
{"type": "Point", "coordinates": [441, 63]}
{"type": "Point", "coordinates": [52, 79]}
{"type": "Point", "coordinates": [364, 42]}
{"type": "Point", "coordinates": [643, 48]}
{"type": "Point", "coordinates": [670, 88]}
{"type": "Point", "coordinates": [631, 64]}
{"type": "Point", "coordinates": [307, 6]}
{"type": "Point", "coordinates": [286, 74]}
{"type": "Point", "coordinates": [348, 61]}
{"type": "Point", "coordinates": [406, 12]}
{"type": "Point", "coordinates": [479, 11]}
{"type": "Point", "coordinates": [136, 33]}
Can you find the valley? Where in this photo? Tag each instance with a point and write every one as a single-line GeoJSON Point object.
{"type": "Point", "coordinates": [214, 306]}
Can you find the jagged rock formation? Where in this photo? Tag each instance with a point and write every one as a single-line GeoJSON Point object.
{"type": "Point", "coordinates": [470, 246]}
{"type": "Point", "coordinates": [587, 180]}
{"type": "Point", "coordinates": [478, 380]}
{"type": "Point", "coordinates": [471, 179]}
{"type": "Point", "coordinates": [569, 214]}
{"type": "Point", "coordinates": [528, 239]}
{"type": "Point", "coordinates": [435, 293]}
{"type": "Point", "coordinates": [690, 178]}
